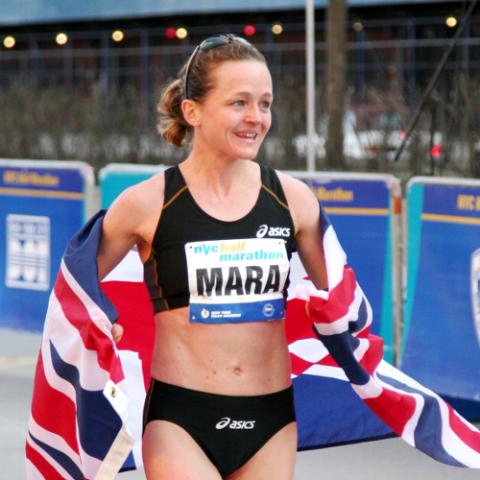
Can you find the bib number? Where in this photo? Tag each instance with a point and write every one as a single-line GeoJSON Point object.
{"type": "Point", "coordinates": [236, 280]}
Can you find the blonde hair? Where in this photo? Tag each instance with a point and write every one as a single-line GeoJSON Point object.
{"type": "Point", "coordinates": [172, 125]}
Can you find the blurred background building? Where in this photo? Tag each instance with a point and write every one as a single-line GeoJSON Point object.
{"type": "Point", "coordinates": [80, 80]}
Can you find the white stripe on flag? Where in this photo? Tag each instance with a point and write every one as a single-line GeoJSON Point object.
{"type": "Point", "coordinates": [54, 440]}
{"type": "Point", "coordinates": [335, 256]}
{"type": "Point", "coordinates": [309, 349]}
{"type": "Point", "coordinates": [341, 324]}
{"type": "Point", "coordinates": [130, 269]}
{"type": "Point", "coordinates": [134, 387]}
{"type": "Point", "coordinates": [371, 389]}
{"type": "Point", "coordinates": [326, 371]}
{"type": "Point", "coordinates": [54, 380]}
{"type": "Point", "coordinates": [69, 344]}
{"type": "Point", "coordinates": [32, 471]}
{"type": "Point", "coordinates": [97, 315]}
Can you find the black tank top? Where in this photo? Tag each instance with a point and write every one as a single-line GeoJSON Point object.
{"type": "Point", "coordinates": [182, 221]}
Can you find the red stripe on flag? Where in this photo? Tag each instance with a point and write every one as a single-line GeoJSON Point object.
{"type": "Point", "coordinates": [328, 361]}
{"type": "Point", "coordinates": [92, 337]}
{"type": "Point", "coordinates": [394, 408]}
{"type": "Point", "coordinates": [374, 355]}
{"type": "Point", "coordinates": [62, 421]}
{"type": "Point", "coordinates": [298, 326]}
{"type": "Point", "coordinates": [471, 438]}
{"type": "Point", "coordinates": [42, 465]}
{"type": "Point", "coordinates": [299, 365]}
{"type": "Point", "coordinates": [339, 300]}
{"type": "Point", "coordinates": [135, 314]}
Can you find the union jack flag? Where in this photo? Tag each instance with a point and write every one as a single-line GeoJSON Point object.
{"type": "Point", "coordinates": [88, 394]}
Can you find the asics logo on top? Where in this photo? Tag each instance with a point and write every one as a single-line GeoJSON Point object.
{"type": "Point", "coordinates": [264, 230]}
{"type": "Point", "coordinates": [235, 424]}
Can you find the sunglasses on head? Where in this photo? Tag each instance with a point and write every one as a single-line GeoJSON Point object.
{"type": "Point", "coordinates": [209, 43]}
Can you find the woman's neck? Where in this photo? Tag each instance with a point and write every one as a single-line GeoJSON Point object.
{"type": "Point", "coordinates": [217, 174]}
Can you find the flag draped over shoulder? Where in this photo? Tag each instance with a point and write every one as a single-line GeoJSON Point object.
{"type": "Point", "coordinates": [340, 346]}
{"type": "Point", "coordinates": [77, 427]}
{"type": "Point", "coordinates": [88, 392]}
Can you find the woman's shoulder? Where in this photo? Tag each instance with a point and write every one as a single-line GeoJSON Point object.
{"type": "Point", "coordinates": [140, 202]}
{"type": "Point", "coordinates": [294, 188]}
{"type": "Point", "coordinates": [137, 209]}
{"type": "Point", "coordinates": [301, 200]}
{"type": "Point", "coordinates": [144, 194]}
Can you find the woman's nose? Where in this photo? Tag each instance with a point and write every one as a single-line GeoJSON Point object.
{"type": "Point", "coordinates": [253, 114]}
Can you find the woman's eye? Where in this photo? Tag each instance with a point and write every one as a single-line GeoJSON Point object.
{"type": "Point", "coordinates": [239, 103]}
{"type": "Point", "coordinates": [266, 105]}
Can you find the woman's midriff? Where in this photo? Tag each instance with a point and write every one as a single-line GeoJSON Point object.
{"type": "Point", "coordinates": [230, 359]}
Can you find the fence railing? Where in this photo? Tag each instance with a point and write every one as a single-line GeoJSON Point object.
{"type": "Point", "coordinates": [94, 101]}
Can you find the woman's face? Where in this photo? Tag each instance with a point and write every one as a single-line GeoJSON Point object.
{"type": "Point", "coordinates": [235, 115]}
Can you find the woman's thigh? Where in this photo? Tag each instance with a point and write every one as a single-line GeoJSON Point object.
{"type": "Point", "coordinates": [275, 460]}
{"type": "Point", "coordinates": [169, 452]}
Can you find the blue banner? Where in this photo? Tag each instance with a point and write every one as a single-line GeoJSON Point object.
{"type": "Point", "coordinates": [362, 208]}
{"type": "Point", "coordinates": [42, 204]}
{"type": "Point", "coordinates": [442, 310]}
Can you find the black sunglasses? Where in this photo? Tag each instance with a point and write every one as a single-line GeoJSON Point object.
{"type": "Point", "coordinates": [209, 44]}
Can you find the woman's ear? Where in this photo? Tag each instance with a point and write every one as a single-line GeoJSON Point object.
{"type": "Point", "coordinates": [191, 114]}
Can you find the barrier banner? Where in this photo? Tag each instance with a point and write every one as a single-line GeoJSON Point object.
{"type": "Point", "coordinates": [441, 341]}
{"type": "Point", "coordinates": [364, 210]}
{"type": "Point", "coordinates": [42, 204]}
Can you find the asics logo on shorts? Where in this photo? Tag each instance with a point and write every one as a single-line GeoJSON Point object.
{"type": "Point", "coordinates": [227, 422]}
{"type": "Point", "coordinates": [272, 231]}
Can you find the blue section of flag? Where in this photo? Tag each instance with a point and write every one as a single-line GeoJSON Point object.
{"type": "Point", "coordinates": [98, 423]}
{"type": "Point", "coordinates": [328, 414]}
{"type": "Point", "coordinates": [342, 346]}
{"type": "Point", "coordinates": [129, 463]}
{"type": "Point", "coordinates": [425, 431]}
{"type": "Point", "coordinates": [80, 257]}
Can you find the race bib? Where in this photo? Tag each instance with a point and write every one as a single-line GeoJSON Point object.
{"type": "Point", "coordinates": [237, 280]}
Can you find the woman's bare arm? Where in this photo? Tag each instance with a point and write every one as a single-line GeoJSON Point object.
{"type": "Point", "coordinates": [130, 220]}
{"type": "Point", "coordinates": [305, 211]}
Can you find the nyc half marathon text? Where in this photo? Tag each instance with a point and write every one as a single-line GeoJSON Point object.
{"type": "Point", "coordinates": [225, 268]}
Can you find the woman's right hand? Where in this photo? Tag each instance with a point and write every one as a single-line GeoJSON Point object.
{"type": "Point", "coordinates": [117, 332]}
